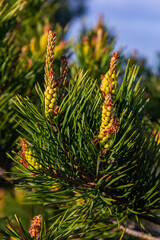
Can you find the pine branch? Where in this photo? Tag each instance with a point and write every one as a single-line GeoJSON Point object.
{"type": "Point", "coordinates": [135, 230]}
{"type": "Point", "coordinates": [152, 218]}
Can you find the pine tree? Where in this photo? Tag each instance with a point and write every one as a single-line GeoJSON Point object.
{"type": "Point", "coordinates": [89, 156]}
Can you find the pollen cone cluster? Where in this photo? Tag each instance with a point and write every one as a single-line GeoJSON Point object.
{"type": "Point", "coordinates": [59, 49]}
{"type": "Point", "coordinates": [53, 87]}
{"type": "Point", "coordinates": [110, 121]}
{"type": "Point", "coordinates": [35, 227]}
{"type": "Point", "coordinates": [43, 41]}
{"type": "Point", "coordinates": [38, 49]}
{"type": "Point", "coordinates": [109, 81]}
{"type": "Point", "coordinates": [50, 91]}
{"type": "Point", "coordinates": [50, 55]}
{"type": "Point", "coordinates": [86, 46]}
{"type": "Point", "coordinates": [28, 157]}
{"type": "Point", "coordinates": [50, 94]}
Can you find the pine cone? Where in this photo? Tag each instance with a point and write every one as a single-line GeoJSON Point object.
{"type": "Point", "coordinates": [35, 226]}
{"type": "Point", "coordinates": [109, 81]}
{"type": "Point", "coordinates": [109, 123]}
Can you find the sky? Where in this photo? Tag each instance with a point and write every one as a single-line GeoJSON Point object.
{"type": "Point", "coordinates": [135, 23]}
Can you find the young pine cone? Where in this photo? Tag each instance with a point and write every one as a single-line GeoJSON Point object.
{"type": "Point", "coordinates": [35, 226]}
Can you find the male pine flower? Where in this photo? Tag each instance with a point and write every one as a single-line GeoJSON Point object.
{"type": "Point", "coordinates": [35, 227]}
{"type": "Point", "coordinates": [28, 157]}
{"type": "Point", "coordinates": [53, 87]}
{"type": "Point", "coordinates": [38, 49]}
{"type": "Point", "coordinates": [50, 91]}
{"type": "Point", "coordinates": [109, 81]}
{"type": "Point", "coordinates": [110, 121]}
{"type": "Point", "coordinates": [50, 94]}
{"type": "Point", "coordinates": [86, 47]}
{"type": "Point", "coordinates": [59, 49]}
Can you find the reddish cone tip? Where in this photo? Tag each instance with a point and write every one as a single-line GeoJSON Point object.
{"type": "Point", "coordinates": [51, 73]}
{"type": "Point", "coordinates": [116, 55]}
{"type": "Point", "coordinates": [63, 57]}
{"type": "Point", "coordinates": [53, 34]}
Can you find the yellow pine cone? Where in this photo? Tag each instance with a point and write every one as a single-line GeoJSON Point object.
{"type": "Point", "coordinates": [43, 42]}
{"type": "Point", "coordinates": [33, 46]}
{"type": "Point", "coordinates": [59, 49]}
{"type": "Point", "coordinates": [35, 227]}
{"type": "Point", "coordinates": [29, 155]}
{"type": "Point", "coordinates": [109, 83]}
{"type": "Point", "coordinates": [50, 99]}
{"type": "Point", "coordinates": [39, 49]}
{"type": "Point", "coordinates": [86, 47]}
{"type": "Point", "coordinates": [109, 123]}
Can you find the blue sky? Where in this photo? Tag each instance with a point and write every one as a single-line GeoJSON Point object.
{"type": "Point", "coordinates": [136, 24]}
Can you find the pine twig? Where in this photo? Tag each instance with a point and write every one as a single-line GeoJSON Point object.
{"type": "Point", "coordinates": [154, 219]}
{"type": "Point", "coordinates": [136, 231]}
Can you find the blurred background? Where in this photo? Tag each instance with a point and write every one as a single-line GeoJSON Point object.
{"type": "Point", "coordinates": [135, 23]}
